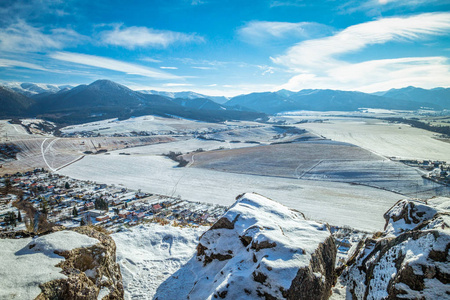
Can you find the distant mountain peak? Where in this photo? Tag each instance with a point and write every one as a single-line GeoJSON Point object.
{"type": "Point", "coordinates": [105, 83]}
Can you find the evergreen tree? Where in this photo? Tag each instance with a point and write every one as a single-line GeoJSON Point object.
{"type": "Point", "coordinates": [19, 217]}
{"type": "Point", "coordinates": [67, 185]}
{"type": "Point", "coordinates": [83, 222]}
{"type": "Point", "coordinates": [44, 205]}
{"type": "Point", "coordinates": [7, 188]}
{"type": "Point", "coordinates": [75, 212]}
{"type": "Point", "coordinates": [10, 219]}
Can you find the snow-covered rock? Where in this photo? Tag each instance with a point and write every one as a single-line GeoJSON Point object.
{"type": "Point", "coordinates": [405, 215]}
{"type": "Point", "coordinates": [261, 248]}
{"type": "Point", "coordinates": [410, 260]}
{"type": "Point", "coordinates": [90, 270]}
{"type": "Point", "coordinates": [26, 263]}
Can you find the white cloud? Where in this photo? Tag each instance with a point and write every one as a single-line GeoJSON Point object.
{"type": "Point", "coordinates": [203, 68]}
{"type": "Point", "coordinates": [378, 75]}
{"type": "Point", "coordinates": [15, 63]}
{"type": "Point", "coordinates": [260, 31]}
{"type": "Point", "coordinates": [169, 68]}
{"type": "Point", "coordinates": [373, 7]}
{"type": "Point", "coordinates": [111, 64]}
{"type": "Point", "coordinates": [322, 53]}
{"type": "Point", "coordinates": [149, 59]}
{"type": "Point", "coordinates": [177, 84]}
{"type": "Point", "coordinates": [132, 37]}
{"type": "Point", "coordinates": [21, 37]}
{"type": "Point", "coordinates": [318, 63]}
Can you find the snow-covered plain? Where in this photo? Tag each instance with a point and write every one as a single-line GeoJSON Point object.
{"type": "Point", "coordinates": [22, 268]}
{"type": "Point", "coordinates": [149, 254]}
{"type": "Point", "coordinates": [340, 204]}
{"type": "Point", "coordinates": [145, 123]}
{"type": "Point", "coordinates": [387, 139]}
{"type": "Point", "coordinates": [9, 132]}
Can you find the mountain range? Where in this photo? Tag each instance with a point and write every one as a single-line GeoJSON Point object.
{"type": "Point", "coordinates": [104, 99]}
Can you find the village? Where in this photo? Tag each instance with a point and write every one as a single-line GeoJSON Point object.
{"type": "Point", "coordinates": [71, 203]}
{"type": "Point", "coordinates": [438, 171]}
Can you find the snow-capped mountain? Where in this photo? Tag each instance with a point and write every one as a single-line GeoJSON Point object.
{"type": "Point", "coordinates": [186, 95]}
{"type": "Point", "coordinates": [32, 89]}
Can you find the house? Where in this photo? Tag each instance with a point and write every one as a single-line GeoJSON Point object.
{"type": "Point", "coordinates": [102, 218]}
{"type": "Point", "coordinates": [97, 212]}
{"type": "Point", "coordinates": [123, 213]}
{"type": "Point", "coordinates": [89, 205]}
{"type": "Point", "coordinates": [156, 207]}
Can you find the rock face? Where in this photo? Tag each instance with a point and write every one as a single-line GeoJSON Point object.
{"type": "Point", "coordinates": [92, 272]}
{"type": "Point", "coordinates": [261, 248]}
{"type": "Point", "coordinates": [411, 260]}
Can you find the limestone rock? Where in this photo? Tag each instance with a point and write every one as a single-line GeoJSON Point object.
{"type": "Point", "coordinates": [411, 261]}
{"type": "Point", "coordinates": [90, 271]}
{"type": "Point", "coordinates": [260, 248]}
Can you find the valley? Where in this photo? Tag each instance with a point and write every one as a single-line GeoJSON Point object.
{"type": "Point", "coordinates": [166, 179]}
{"type": "Point", "coordinates": [318, 168]}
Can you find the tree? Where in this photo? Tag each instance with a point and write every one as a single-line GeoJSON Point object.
{"type": "Point", "coordinates": [101, 204]}
{"type": "Point", "coordinates": [19, 217]}
{"type": "Point", "coordinates": [44, 205]}
{"type": "Point", "coordinates": [67, 185]}
{"type": "Point", "coordinates": [75, 212]}
{"type": "Point", "coordinates": [7, 188]}
{"type": "Point", "coordinates": [10, 219]}
{"type": "Point", "coordinates": [83, 222]}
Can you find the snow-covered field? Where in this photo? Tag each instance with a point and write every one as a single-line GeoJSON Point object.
{"type": "Point", "coordinates": [24, 266]}
{"type": "Point", "coordinates": [145, 123]}
{"type": "Point", "coordinates": [149, 254]}
{"type": "Point", "coordinates": [9, 132]}
{"type": "Point", "coordinates": [390, 140]}
{"type": "Point", "coordinates": [341, 204]}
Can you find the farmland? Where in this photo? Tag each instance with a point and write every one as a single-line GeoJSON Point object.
{"type": "Point", "coordinates": [334, 202]}
{"type": "Point", "coordinates": [383, 138]}
{"type": "Point", "coordinates": [54, 153]}
{"type": "Point", "coordinates": [333, 168]}
{"type": "Point", "coordinates": [320, 160]}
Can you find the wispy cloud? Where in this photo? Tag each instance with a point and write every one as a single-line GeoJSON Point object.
{"type": "Point", "coordinates": [112, 64]}
{"type": "Point", "coordinates": [323, 53]}
{"type": "Point", "coordinates": [373, 7]}
{"type": "Point", "coordinates": [203, 68]}
{"type": "Point", "coordinates": [15, 63]}
{"type": "Point", "coordinates": [12, 10]}
{"type": "Point", "coordinates": [169, 68]}
{"type": "Point", "coordinates": [378, 75]}
{"type": "Point", "coordinates": [132, 37]}
{"type": "Point", "coordinates": [277, 3]}
{"type": "Point", "coordinates": [149, 59]}
{"type": "Point", "coordinates": [177, 84]}
{"type": "Point", "coordinates": [260, 31]}
{"type": "Point", "coordinates": [21, 37]}
{"type": "Point", "coordinates": [319, 63]}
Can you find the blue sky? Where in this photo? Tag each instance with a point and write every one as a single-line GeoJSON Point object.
{"type": "Point", "coordinates": [220, 47]}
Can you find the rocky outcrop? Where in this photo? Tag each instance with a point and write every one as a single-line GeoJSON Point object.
{"type": "Point", "coordinates": [410, 260]}
{"type": "Point", "coordinates": [92, 272]}
{"type": "Point", "coordinates": [260, 248]}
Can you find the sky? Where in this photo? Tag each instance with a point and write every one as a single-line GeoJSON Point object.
{"type": "Point", "coordinates": [228, 47]}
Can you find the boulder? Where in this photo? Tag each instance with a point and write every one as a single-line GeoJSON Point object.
{"type": "Point", "coordinates": [92, 272]}
{"type": "Point", "coordinates": [260, 248]}
{"type": "Point", "coordinates": [411, 259]}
